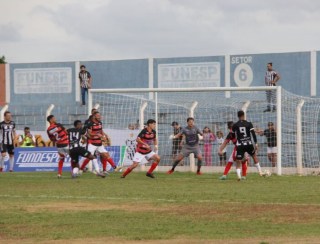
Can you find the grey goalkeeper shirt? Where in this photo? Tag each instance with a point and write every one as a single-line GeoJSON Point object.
{"type": "Point", "coordinates": [191, 134]}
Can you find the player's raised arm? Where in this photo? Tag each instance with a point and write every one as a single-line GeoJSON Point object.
{"type": "Point", "coordinates": [223, 146]}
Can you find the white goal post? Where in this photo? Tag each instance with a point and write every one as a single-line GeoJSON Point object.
{"type": "Point", "coordinates": [213, 107]}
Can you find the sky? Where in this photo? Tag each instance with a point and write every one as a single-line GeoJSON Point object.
{"type": "Point", "coordinates": [83, 30]}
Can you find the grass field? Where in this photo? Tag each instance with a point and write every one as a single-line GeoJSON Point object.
{"type": "Point", "coordinates": [178, 208]}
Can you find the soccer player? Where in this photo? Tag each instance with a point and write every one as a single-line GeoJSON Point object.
{"type": "Point", "coordinates": [190, 136]}
{"type": "Point", "coordinates": [232, 159]}
{"type": "Point", "coordinates": [75, 136]}
{"type": "Point", "coordinates": [96, 136]}
{"type": "Point", "coordinates": [7, 135]}
{"type": "Point", "coordinates": [105, 157]}
{"type": "Point", "coordinates": [145, 139]}
{"type": "Point", "coordinates": [243, 131]}
{"type": "Point", "coordinates": [58, 135]}
{"type": "Point", "coordinates": [271, 135]}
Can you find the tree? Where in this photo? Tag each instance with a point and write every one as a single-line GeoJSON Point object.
{"type": "Point", "coordinates": [3, 60]}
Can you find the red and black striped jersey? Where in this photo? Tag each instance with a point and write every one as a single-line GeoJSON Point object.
{"type": "Point", "coordinates": [58, 134]}
{"type": "Point", "coordinates": [231, 137]}
{"type": "Point", "coordinates": [147, 137]}
{"type": "Point", "coordinates": [96, 128]}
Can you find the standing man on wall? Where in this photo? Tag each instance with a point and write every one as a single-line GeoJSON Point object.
{"type": "Point", "coordinates": [271, 78]}
{"type": "Point", "coordinates": [85, 82]}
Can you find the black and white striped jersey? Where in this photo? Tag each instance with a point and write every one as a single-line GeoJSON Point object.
{"type": "Point", "coordinates": [7, 132]}
{"type": "Point", "coordinates": [270, 77]}
{"type": "Point", "coordinates": [74, 135]}
{"type": "Point", "coordinates": [84, 77]}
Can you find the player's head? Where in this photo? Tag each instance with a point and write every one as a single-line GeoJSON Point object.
{"type": "Point", "coordinates": [82, 67]}
{"type": "Point", "coordinates": [269, 66]}
{"type": "Point", "coordinates": [77, 124]}
{"type": "Point", "coordinates": [51, 119]}
{"type": "Point", "coordinates": [230, 124]}
{"type": "Point", "coordinates": [151, 123]}
{"type": "Point", "coordinates": [96, 116]}
{"type": "Point", "coordinates": [175, 124]}
{"type": "Point", "coordinates": [7, 115]}
{"type": "Point", "coordinates": [190, 121]}
{"type": "Point", "coordinates": [93, 111]}
{"type": "Point", "coordinates": [241, 115]}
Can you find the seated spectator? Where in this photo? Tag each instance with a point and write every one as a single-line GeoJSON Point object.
{"type": "Point", "coordinates": [39, 141]}
{"type": "Point", "coordinates": [27, 140]}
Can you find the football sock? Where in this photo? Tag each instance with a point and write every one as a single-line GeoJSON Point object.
{"type": "Point", "coordinates": [111, 162]}
{"type": "Point", "coordinates": [60, 165]}
{"type": "Point", "coordinates": [11, 161]}
{"type": "Point", "coordinates": [84, 163]}
{"type": "Point", "coordinates": [104, 164]}
{"type": "Point", "coordinates": [239, 173]}
{"type": "Point", "coordinates": [227, 168]}
{"type": "Point", "coordinates": [95, 165]}
{"type": "Point", "coordinates": [175, 163]}
{"type": "Point", "coordinates": [153, 166]}
{"type": "Point", "coordinates": [244, 169]}
{"type": "Point", "coordinates": [199, 165]}
{"type": "Point", "coordinates": [127, 172]}
{"type": "Point", "coordinates": [258, 167]}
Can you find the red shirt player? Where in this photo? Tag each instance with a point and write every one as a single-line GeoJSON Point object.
{"type": "Point", "coordinates": [231, 137]}
{"type": "Point", "coordinates": [96, 136]}
{"type": "Point", "coordinates": [58, 134]}
{"type": "Point", "coordinates": [145, 139]}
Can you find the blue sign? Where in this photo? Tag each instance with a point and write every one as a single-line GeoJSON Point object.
{"type": "Point", "coordinates": [38, 159]}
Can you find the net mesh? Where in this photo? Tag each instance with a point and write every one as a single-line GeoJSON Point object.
{"type": "Point", "coordinates": [213, 109]}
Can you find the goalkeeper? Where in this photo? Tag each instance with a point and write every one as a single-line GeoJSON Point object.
{"type": "Point", "coordinates": [191, 137]}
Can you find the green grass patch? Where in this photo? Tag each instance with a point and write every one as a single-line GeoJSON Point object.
{"type": "Point", "coordinates": [183, 205]}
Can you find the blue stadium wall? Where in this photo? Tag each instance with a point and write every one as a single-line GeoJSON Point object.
{"type": "Point", "coordinates": [29, 80]}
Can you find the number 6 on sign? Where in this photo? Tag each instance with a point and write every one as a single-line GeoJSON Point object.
{"type": "Point", "coordinates": [243, 75]}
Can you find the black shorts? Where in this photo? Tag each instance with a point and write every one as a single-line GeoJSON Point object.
{"type": "Point", "coordinates": [241, 150]}
{"type": "Point", "coordinates": [78, 151]}
{"type": "Point", "coordinates": [7, 148]}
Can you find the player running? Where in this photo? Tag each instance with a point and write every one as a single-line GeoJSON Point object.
{"type": "Point", "coordinates": [232, 159]}
{"type": "Point", "coordinates": [190, 136]}
{"type": "Point", "coordinates": [58, 135]}
{"type": "Point", "coordinates": [243, 131]}
{"type": "Point", "coordinates": [145, 139]}
{"type": "Point", "coordinates": [76, 149]}
{"type": "Point", "coordinates": [7, 135]}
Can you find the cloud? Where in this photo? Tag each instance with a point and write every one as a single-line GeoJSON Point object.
{"type": "Point", "coordinates": [9, 32]}
{"type": "Point", "coordinates": [121, 29]}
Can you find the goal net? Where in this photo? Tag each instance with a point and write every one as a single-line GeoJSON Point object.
{"type": "Point", "coordinates": [295, 120]}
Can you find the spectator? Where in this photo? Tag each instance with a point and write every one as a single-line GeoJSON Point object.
{"type": "Point", "coordinates": [220, 140]}
{"type": "Point", "coordinates": [27, 140]}
{"type": "Point", "coordinates": [208, 139]}
{"type": "Point", "coordinates": [85, 82]}
{"type": "Point", "coordinates": [271, 79]}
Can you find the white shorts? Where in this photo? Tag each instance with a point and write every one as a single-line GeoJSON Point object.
{"type": "Point", "coordinates": [272, 150]}
{"type": "Point", "coordinates": [63, 150]}
{"type": "Point", "coordinates": [138, 157]}
{"type": "Point", "coordinates": [92, 149]}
